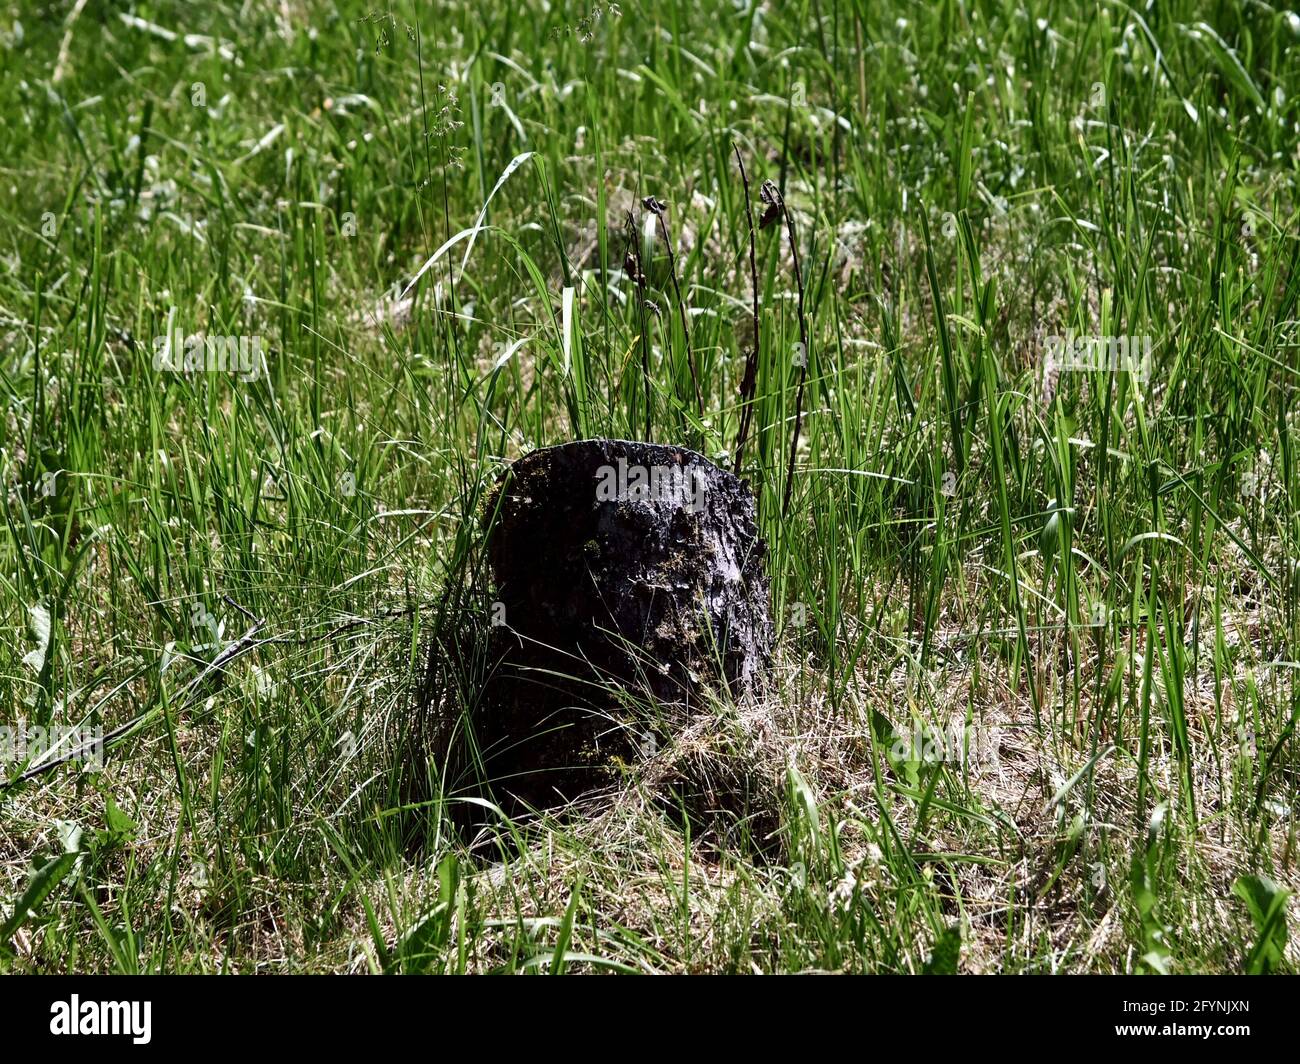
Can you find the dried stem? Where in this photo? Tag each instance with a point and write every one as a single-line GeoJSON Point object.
{"type": "Point", "coordinates": [750, 380]}
{"type": "Point", "coordinates": [657, 209]}
{"type": "Point", "coordinates": [632, 264]}
{"type": "Point", "coordinates": [778, 200]}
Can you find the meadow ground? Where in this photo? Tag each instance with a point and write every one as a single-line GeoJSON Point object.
{"type": "Point", "coordinates": [1034, 565]}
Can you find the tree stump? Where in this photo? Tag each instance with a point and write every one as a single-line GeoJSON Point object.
{"type": "Point", "coordinates": [617, 566]}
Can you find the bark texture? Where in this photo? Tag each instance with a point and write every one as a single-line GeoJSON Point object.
{"type": "Point", "coordinates": [617, 566]}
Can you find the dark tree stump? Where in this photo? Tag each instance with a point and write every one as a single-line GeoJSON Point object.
{"type": "Point", "coordinates": [635, 563]}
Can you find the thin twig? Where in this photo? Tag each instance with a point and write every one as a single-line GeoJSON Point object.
{"type": "Point", "coordinates": [657, 209]}
{"type": "Point", "coordinates": [750, 380]}
{"type": "Point", "coordinates": [772, 196]}
{"type": "Point", "coordinates": [632, 264]}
